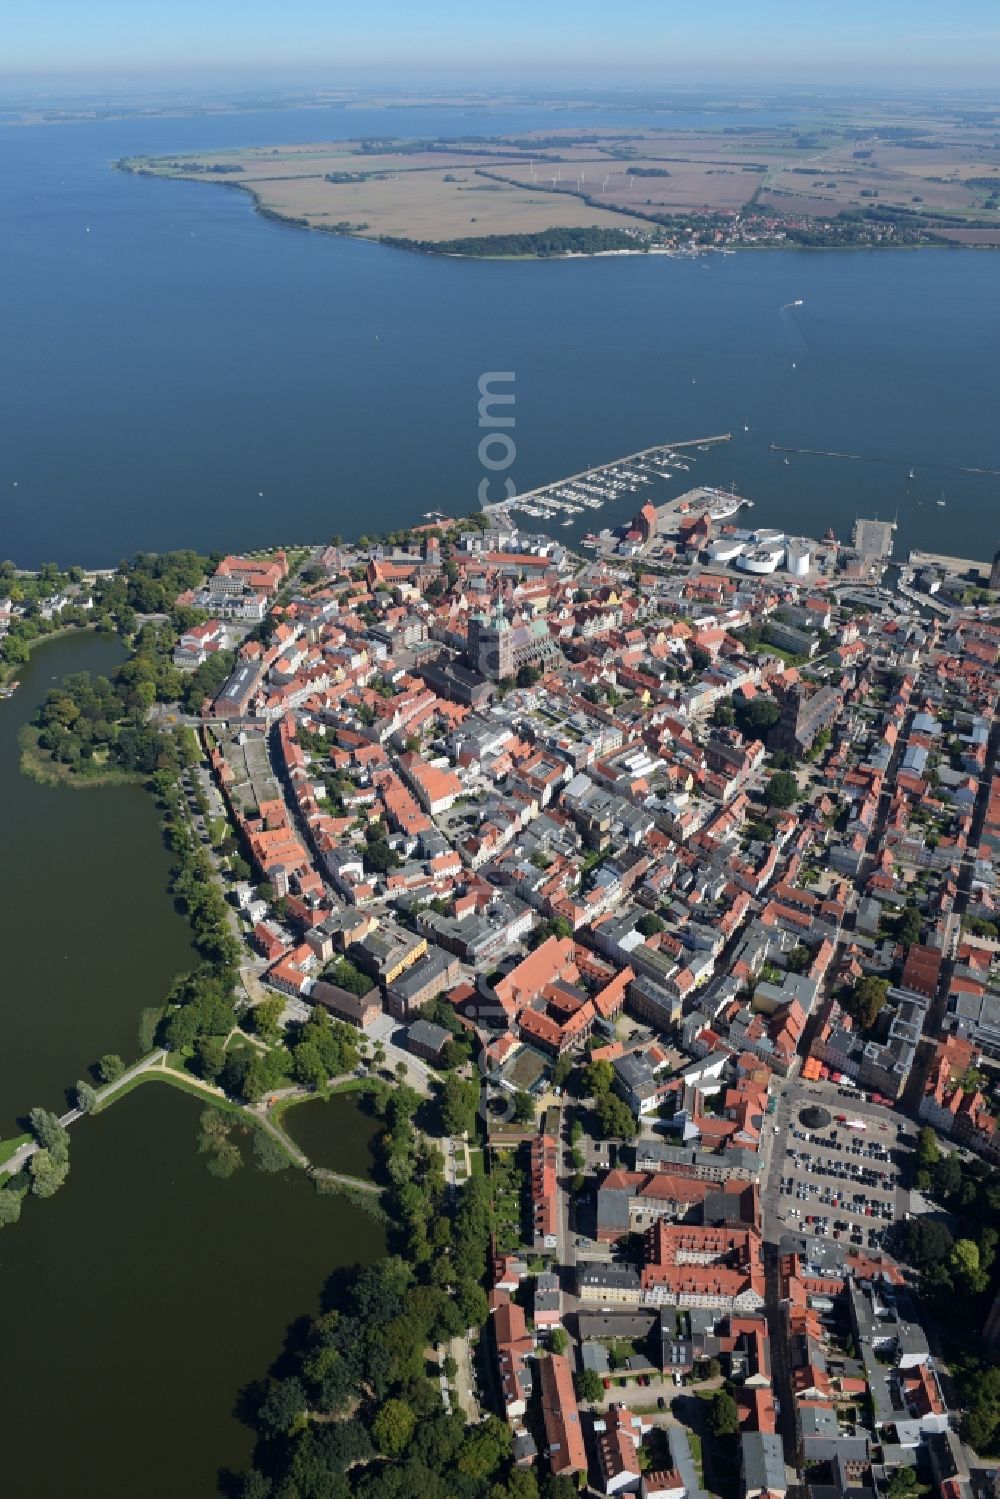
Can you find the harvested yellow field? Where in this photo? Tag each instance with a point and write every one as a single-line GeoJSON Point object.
{"type": "Point", "coordinates": [432, 192]}
{"type": "Point", "coordinates": [650, 184]}
{"type": "Point", "coordinates": [423, 205]}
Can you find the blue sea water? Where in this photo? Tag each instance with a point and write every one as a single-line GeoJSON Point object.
{"type": "Point", "coordinates": [178, 371]}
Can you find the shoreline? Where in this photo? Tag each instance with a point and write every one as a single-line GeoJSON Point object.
{"type": "Point", "coordinates": [7, 672]}
{"type": "Point", "coordinates": [37, 764]}
{"type": "Point", "coordinates": [393, 243]}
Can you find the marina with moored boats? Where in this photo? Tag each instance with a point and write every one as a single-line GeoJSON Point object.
{"type": "Point", "coordinates": [594, 487]}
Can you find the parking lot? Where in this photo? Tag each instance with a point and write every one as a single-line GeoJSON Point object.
{"type": "Point", "coordinates": [838, 1181]}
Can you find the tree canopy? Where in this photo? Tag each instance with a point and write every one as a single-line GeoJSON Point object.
{"type": "Point", "coordinates": [781, 790]}
{"type": "Point", "coordinates": [723, 1416]}
{"type": "Point", "coordinates": [867, 1000]}
{"type": "Point", "coordinates": [616, 1118]}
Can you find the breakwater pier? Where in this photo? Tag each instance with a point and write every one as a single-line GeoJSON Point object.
{"type": "Point", "coordinates": [591, 488]}
{"type": "Point", "coordinates": [944, 468]}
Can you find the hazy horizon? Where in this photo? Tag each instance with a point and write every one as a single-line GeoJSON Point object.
{"type": "Point", "coordinates": [897, 44]}
{"type": "Point", "coordinates": [248, 87]}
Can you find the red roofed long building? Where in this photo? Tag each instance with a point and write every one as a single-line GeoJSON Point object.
{"type": "Point", "coordinates": [544, 1193]}
{"type": "Point", "coordinates": [922, 970]}
{"type": "Point", "coordinates": [719, 1268]}
{"type": "Point", "coordinates": [563, 1435]}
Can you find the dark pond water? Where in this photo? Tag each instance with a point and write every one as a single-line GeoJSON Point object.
{"type": "Point", "coordinates": [144, 1296]}
{"type": "Point", "coordinates": [336, 1132]}
{"type": "Point", "coordinates": [91, 935]}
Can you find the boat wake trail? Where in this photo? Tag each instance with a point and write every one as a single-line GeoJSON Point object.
{"type": "Point", "coordinates": [796, 339]}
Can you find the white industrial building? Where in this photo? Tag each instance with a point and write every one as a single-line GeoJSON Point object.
{"type": "Point", "coordinates": [797, 556]}
{"type": "Point", "coordinates": [725, 549]}
{"type": "Point", "coordinates": [761, 559]}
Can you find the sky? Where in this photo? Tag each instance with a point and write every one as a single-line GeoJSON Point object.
{"type": "Point", "coordinates": [667, 42]}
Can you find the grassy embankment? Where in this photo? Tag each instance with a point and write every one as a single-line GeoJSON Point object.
{"type": "Point", "coordinates": [175, 1079]}
{"type": "Point", "coordinates": [12, 1146]}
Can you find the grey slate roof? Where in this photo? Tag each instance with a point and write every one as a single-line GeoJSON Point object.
{"type": "Point", "coordinates": [763, 1460]}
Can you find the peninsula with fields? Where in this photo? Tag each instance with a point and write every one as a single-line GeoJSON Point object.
{"type": "Point", "coordinates": [500, 750]}
{"type": "Point", "coordinates": [830, 177]}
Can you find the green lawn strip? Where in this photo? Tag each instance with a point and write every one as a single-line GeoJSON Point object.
{"type": "Point", "coordinates": [194, 744]}
{"type": "Point", "coordinates": [11, 1147]}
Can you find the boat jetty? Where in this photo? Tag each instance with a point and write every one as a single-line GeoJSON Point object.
{"type": "Point", "coordinates": [594, 487]}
